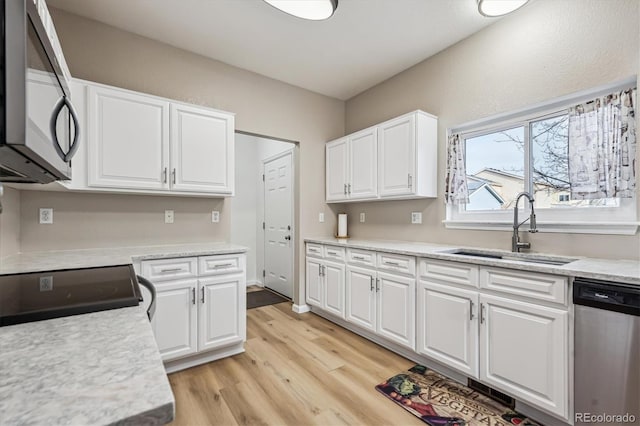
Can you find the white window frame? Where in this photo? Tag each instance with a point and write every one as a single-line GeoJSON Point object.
{"type": "Point", "coordinates": [620, 220]}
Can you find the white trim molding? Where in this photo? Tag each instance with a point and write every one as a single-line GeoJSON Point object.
{"type": "Point", "coordinates": [301, 309]}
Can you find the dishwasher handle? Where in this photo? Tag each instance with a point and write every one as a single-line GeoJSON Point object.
{"type": "Point", "coordinates": [606, 295]}
{"type": "Point", "coordinates": [151, 310]}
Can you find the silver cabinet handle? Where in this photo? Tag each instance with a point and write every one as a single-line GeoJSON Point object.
{"type": "Point", "coordinates": [391, 263]}
{"type": "Point", "coordinates": [202, 299]}
{"type": "Point", "coordinates": [173, 176]}
{"type": "Point", "coordinates": [409, 181]}
{"type": "Point", "coordinates": [222, 265]}
{"type": "Point", "coordinates": [345, 189]}
{"type": "Point", "coordinates": [324, 270]}
{"type": "Point", "coordinates": [311, 249]}
{"type": "Point", "coordinates": [170, 270]}
{"type": "Point", "coordinates": [359, 258]}
{"type": "Point", "coordinates": [470, 310]}
{"type": "Point", "coordinates": [349, 189]}
{"type": "Point", "coordinates": [319, 270]}
{"type": "Point", "coordinates": [481, 313]}
{"type": "Point", "coordinates": [371, 289]}
{"type": "Point", "coordinates": [193, 295]}
{"type": "Point", "coordinates": [164, 175]}
{"type": "Point", "coordinates": [332, 253]}
{"type": "Point", "coordinates": [377, 284]}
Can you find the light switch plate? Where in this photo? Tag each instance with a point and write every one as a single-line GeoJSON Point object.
{"type": "Point", "coordinates": [416, 217]}
{"type": "Point", "coordinates": [168, 216]}
{"type": "Point", "coordinates": [362, 217]}
{"type": "Point", "coordinates": [46, 216]}
{"type": "Point", "coordinates": [215, 216]}
{"type": "Point", "coordinates": [320, 217]}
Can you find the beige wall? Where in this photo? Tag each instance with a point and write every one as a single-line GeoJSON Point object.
{"type": "Point", "coordinates": [101, 53]}
{"type": "Point", "coordinates": [10, 223]}
{"type": "Point", "coordinates": [547, 49]}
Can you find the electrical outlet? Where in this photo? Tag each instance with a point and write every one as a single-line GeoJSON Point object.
{"type": "Point", "coordinates": [46, 283]}
{"type": "Point", "coordinates": [361, 217]}
{"type": "Point", "coordinates": [168, 216]}
{"type": "Point", "coordinates": [215, 216]}
{"type": "Point", "coordinates": [416, 217]}
{"type": "Point", "coordinates": [320, 217]}
{"type": "Point", "coordinates": [46, 216]}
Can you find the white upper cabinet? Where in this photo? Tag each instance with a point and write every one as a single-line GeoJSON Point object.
{"type": "Point", "coordinates": [337, 169]}
{"type": "Point", "coordinates": [138, 143]}
{"type": "Point", "coordinates": [201, 150]}
{"type": "Point", "coordinates": [127, 139]}
{"type": "Point", "coordinates": [407, 156]}
{"type": "Point", "coordinates": [396, 159]}
{"type": "Point", "coordinates": [363, 159]}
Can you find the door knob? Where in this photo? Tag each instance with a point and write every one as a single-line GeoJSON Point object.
{"type": "Point", "coordinates": [288, 237]}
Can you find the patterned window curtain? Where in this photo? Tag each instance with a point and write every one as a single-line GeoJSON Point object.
{"type": "Point", "coordinates": [456, 190]}
{"type": "Point", "coordinates": [602, 147]}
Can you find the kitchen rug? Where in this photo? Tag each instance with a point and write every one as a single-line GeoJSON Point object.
{"type": "Point", "coordinates": [256, 299]}
{"type": "Point", "coordinates": [439, 401]}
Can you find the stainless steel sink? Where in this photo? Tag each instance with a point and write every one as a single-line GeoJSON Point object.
{"type": "Point", "coordinates": [519, 257]}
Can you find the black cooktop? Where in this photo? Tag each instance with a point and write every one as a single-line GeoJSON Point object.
{"type": "Point", "coordinates": [38, 296]}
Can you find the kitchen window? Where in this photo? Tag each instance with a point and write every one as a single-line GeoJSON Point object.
{"type": "Point", "coordinates": [530, 151]}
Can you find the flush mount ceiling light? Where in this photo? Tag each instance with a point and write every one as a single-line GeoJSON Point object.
{"type": "Point", "coordinates": [493, 8]}
{"type": "Point", "coordinates": [314, 10]}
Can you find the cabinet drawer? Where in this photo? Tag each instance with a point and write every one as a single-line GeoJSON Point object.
{"type": "Point", "coordinates": [449, 272]}
{"type": "Point", "coordinates": [397, 263]}
{"type": "Point", "coordinates": [361, 257]}
{"type": "Point", "coordinates": [315, 250]}
{"type": "Point", "coordinates": [335, 253]}
{"type": "Point", "coordinates": [220, 264]}
{"type": "Point", "coordinates": [551, 288]}
{"type": "Point", "coordinates": [170, 269]}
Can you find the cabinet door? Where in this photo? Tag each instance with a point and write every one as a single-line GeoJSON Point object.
{"type": "Point", "coordinates": [524, 352]}
{"type": "Point", "coordinates": [361, 297]}
{"type": "Point", "coordinates": [337, 169]}
{"type": "Point", "coordinates": [396, 309]}
{"type": "Point", "coordinates": [334, 288]}
{"type": "Point", "coordinates": [222, 319]}
{"type": "Point", "coordinates": [314, 282]}
{"type": "Point", "coordinates": [397, 156]}
{"type": "Point", "coordinates": [363, 156]}
{"type": "Point", "coordinates": [202, 155]}
{"type": "Point", "coordinates": [448, 326]}
{"type": "Point", "coordinates": [128, 140]}
{"type": "Point", "coordinates": [175, 323]}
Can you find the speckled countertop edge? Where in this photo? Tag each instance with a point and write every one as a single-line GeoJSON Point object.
{"type": "Point", "coordinates": [88, 258]}
{"type": "Point", "coordinates": [626, 270]}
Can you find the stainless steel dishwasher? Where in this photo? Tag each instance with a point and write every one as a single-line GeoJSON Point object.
{"type": "Point", "coordinates": [607, 352]}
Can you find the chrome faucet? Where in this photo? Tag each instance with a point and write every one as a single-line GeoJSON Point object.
{"type": "Point", "coordinates": [516, 245]}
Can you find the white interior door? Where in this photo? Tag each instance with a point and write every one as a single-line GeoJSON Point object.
{"type": "Point", "coordinates": [278, 219]}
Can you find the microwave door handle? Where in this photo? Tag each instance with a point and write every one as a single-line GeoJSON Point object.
{"type": "Point", "coordinates": [76, 131]}
{"type": "Point", "coordinates": [62, 102]}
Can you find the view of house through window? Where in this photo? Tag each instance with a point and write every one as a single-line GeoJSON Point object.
{"type": "Point", "coordinates": [496, 172]}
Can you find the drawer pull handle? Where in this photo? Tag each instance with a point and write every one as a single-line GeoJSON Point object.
{"type": "Point", "coordinates": [371, 284]}
{"type": "Point", "coordinates": [164, 271]}
{"type": "Point", "coordinates": [223, 265]}
{"type": "Point", "coordinates": [332, 253]}
{"type": "Point", "coordinates": [193, 295]}
{"type": "Point", "coordinates": [202, 290]}
{"type": "Point", "coordinates": [482, 313]}
{"type": "Point", "coordinates": [470, 310]}
{"type": "Point", "coordinates": [313, 250]}
{"type": "Point", "coordinates": [386, 262]}
{"type": "Point", "coordinates": [359, 258]}
{"type": "Point", "coordinates": [377, 284]}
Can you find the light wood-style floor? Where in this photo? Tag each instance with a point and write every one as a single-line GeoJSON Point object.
{"type": "Point", "coordinates": [297, 370]}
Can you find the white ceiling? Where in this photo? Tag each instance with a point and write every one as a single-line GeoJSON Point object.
{"type": "Point", "coordinates": [363, 44]}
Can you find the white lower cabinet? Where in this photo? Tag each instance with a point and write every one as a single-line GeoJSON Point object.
{"type": "Point", "coordinates": [221, 300]}
{"type": "Point", "coordinates": [201, 316]}
{"type": "Point", "coordinates": [383, 303]}
{"type": "Point", "coordinates": [175, 322]}
{"type": "Point", "coordinates": [448, 326]}
{"type": "Point", "coordinates": [325, 285]}
{"type": "Point", "coordinates": [524, 351]}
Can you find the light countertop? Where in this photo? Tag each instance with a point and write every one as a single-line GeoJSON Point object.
{"type": "Point", "coordinates": [87, 258]}
{"type": "Point", "coordinates": [91, 369]}
{"type": "Point", "coordinates": [624, 270]}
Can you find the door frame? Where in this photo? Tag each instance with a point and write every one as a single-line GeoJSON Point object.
{"type": "Point", "coordinates": [294, 229]}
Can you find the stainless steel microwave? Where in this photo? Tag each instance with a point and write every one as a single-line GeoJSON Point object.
{"type": "Point", "coordinates": [39, 130]}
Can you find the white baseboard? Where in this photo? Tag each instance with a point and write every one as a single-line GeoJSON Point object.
{"type": "Point", "coordinates": [202, 358]}
{"type": "Point", "coordinates": [301, 309]}
{"type": "Point", "coordinates": [255, 282]}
